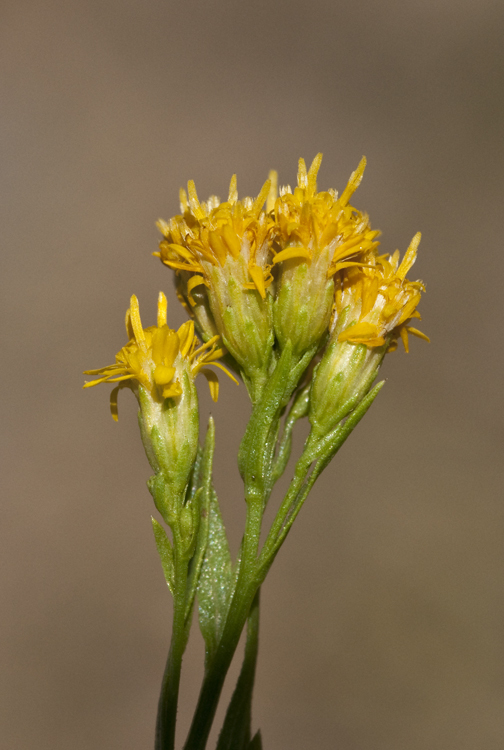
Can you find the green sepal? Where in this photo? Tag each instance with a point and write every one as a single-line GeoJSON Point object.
{"type": "Point", "coordinates": [215, 584]}
{"type": "Point", "coordinates": [165, 551]}
{"type": "Point", "coordinates": [201, 504]}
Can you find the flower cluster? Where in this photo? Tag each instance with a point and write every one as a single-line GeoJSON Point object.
{"type": "Point", "coordinates": [291, 273]}
{"type": "Point", "coordinates": [288, 267]}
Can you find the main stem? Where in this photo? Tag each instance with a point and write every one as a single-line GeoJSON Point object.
{"type": "Point", "coordinates": [168, 700]}
{"type": "Point", "coordinates": [246, 587]}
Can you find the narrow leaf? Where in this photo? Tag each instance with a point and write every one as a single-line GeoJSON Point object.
{"type": "Point", "coordinates": [215, 584]}
{"type": "Point", "coordinates": [200, 497]}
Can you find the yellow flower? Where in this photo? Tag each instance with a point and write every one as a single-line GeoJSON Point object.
{"type": "Point", "coordinates": [221, 254]}
{"type": "Point", "coordinates": [210, 234]}
{"type": "Point", "coordinates": [374, 304]}
{"type": "Point", "coordinates": [156, 358]}
{"type": "Point", "coordinates": [308, 222]}
{"type": "Point", "coordinates": [379, 300]}
{"type": "Point", "coordinates": [315, 235]}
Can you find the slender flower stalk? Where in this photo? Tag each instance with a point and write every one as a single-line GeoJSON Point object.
{"type": "Point", "coordinates": [290, 291]}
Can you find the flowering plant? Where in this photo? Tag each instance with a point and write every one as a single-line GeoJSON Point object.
{"type": "Point", "coordinates": [290, 291]}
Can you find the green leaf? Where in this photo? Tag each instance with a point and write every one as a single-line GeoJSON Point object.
{"type": "Point", "coordinates": [215, 584]}
{"type": "Point", "coordinates": [165, 552]}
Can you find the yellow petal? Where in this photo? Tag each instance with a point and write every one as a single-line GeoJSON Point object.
{"type": "Point", "coordinates": [213, 383]}
{"type": "Point", "coordinates": [186, 337]}
{"type": "Point", "coordinates": [359, 330]}
{"type": "Point", "coordinates": [184, 204]}
{"type": "Point", "coordinates": [312, 174]}
{"type": "Point", "coordinates": [344, 264]}
{"type": "Point", "coordinates": [205, 346]}
{"type": "Point", "coordinates": [164, 346]}
{"type": "Point", "coordinates": [162, 310]}
{"type": "Point", "coordinates": [194, 203]}
{"type": "Point", "coordinates": [224, 369]}
{"type": "Point", "coordinates": [136, 323]}
{"type": "Point", "coordinates": [231, 240]}
{"type": "Point", "coordinates": [219, 248]}
{"type": "Point", "coordinates": [163, 374]}
{"type": "Point", "coordinates": [418, 333]}
{"type": "Point", "coordinates": [183, 266]}
{"type": "Point", "coordinates": [258, 279]}
{"type": "Point", "coordinates": [404, 339]}
{"type": "Point", "coordinates": [273, 191]}
{"type": "Point", "coordinates": [259, 201]}
{"type": "Point", "coordinates": [129, 328]}
{"type": "Point", "coordinates": [233, 190]}
{"type": "Point", "coordinates": [292, 252]}
{"type": "Point", "coordinates": [353, 182]}
{"type": "Point", "coordinates": [409, 256]}
{"type": "Point", "coordinates": [113, 402]}
{"type": "Point", "coordinates": [193, 282]}
{"type": "Point", "coordinates": [172, 390]}
{"type": "Point", "coordinates": [302, 175]}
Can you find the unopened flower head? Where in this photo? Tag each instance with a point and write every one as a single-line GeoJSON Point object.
{"type": "Point", "coordinates": [315, 235]}
{"type": "Point", "coordinates": [220, 252]}
{"type": "Point", "coordinates": [374, 306]}
{"type": "Point", "coordinates": [159, 365]}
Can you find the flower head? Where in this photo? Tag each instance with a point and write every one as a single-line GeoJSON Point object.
{"type": "Point", "coordinates": [156, 358]}
{"type": "Point", "coordinates": [221, 254]}
{"type": "Point", "coordinates": [375, 302]}
{"type": "Point", "coordinates": [374, 305]}
{"type": "Point", "coordinates": [315, 235]}
{"type": "Point", "coordinates": [209, 234]}
{"type": "Point", "coordinates": [307, 222]}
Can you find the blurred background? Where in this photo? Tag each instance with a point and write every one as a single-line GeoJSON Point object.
{"type": "Point", "coordinates": [382, 621]}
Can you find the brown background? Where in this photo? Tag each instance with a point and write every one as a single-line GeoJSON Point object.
{"type": "Point", "coordinates": [382, 624]}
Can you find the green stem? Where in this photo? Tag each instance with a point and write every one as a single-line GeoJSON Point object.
{"type": "Point", "coordinates": [168, 700]}
{"type": "Point", "coordinates": [246, 588]}
{"type": "Point", "coordinates": [317, 453]}
{"type": "Point", "coordinates": [236, 731]}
